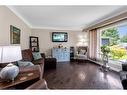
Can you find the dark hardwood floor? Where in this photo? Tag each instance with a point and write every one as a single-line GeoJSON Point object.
{"type": "Point", "coordinates": [85, 75]}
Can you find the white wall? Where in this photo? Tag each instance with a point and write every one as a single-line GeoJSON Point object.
{"type": "Point", "coordinates": [45, 39]}
{"type": "Point", "coordinates": [8, 18]}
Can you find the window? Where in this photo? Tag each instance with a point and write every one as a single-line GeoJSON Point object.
{"type": "Point", "coordinates": [115, 37]}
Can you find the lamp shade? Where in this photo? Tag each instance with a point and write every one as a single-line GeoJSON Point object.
{"type": "Point", "coordinates": [10, 54]}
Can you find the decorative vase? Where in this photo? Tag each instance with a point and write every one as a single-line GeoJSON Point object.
{"type": "Point", "coordinates": [60, 46]}
{"type": "Point", "coordinates": [9, 72]}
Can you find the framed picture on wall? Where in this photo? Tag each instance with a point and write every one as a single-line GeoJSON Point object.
{"type": "Point", "coordinates": [34, 44]}
{"type": "Point", "coordinates": [14, 35]}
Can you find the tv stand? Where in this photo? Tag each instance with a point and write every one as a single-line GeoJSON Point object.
{"type": "Point", "coordinates": [61, 54]}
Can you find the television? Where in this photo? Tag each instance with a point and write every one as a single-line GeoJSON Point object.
{"type": "Point", "coordinates": [59, 37]}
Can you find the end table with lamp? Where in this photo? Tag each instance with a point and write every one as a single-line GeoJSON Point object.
{"type": "Point", "coordinates": [12, 77]}
{"type": "Point", "coordinates": [9, 54]}
{"type": "Point", "coordinates": [25, 78]}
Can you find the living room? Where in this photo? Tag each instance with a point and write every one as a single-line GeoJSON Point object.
{"type": "Point", "coordinates": [68, 42]}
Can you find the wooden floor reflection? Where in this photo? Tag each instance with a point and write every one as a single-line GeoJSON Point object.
{"type": "Point", "coordinates": [85, 75]}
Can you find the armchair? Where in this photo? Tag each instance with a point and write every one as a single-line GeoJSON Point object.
{"type": "Point", "coordinates": [81, 53]}
{"type": "Point", "coordinates": [123, 76]}
{"type": "Point", "coordinates": [41, 83]}
{"type": "Point", "coordinates": [27, 56]}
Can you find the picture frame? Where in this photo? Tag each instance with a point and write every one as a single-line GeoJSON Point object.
{"type": "Point", "coordinates": [14, 35]}
{"type": "Point", "coordinates": [34, 44]}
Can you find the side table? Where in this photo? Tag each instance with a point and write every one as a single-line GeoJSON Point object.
{"type": "Point", "coordinates": [25, 75]}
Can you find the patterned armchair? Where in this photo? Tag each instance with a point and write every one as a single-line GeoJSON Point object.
{"type": "Point", "coordinates": [82, 52]}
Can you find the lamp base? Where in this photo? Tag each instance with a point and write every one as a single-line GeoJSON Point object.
{"type": "Point", "coordinates": [9, 72]}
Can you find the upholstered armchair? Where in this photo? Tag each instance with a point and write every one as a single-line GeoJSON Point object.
{"type": "Point", "coordinates": [27, 56]}
{"type": "Point", "coordinates": [81, 53]}
{"type": "Point", "coordinates": [123, 76]}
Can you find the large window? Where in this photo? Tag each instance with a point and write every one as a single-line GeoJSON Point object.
{"type": "Point", "coordinates": [116, 38]}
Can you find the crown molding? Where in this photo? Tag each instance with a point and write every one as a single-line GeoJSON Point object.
{"type": "Point", "coordinates": [18, 15]}
{"type": "Point", "coordinates": [40, 27]}
{"type": "Point", "coordinates": [58, 28]}
{"type": "Point", "coordinates": [123, 9]}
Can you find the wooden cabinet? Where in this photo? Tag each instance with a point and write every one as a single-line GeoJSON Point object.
{"type": "Point", "coordinates": [61, 54]}
{"type": "Point", "coordinates": [34, 44]}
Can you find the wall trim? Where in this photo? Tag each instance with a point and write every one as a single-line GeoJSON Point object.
{"type": "Point", "coordinates": [18, 15]}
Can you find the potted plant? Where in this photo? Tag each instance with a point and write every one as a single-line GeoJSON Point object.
{"type": "Point", "coordinates": [105, 51]}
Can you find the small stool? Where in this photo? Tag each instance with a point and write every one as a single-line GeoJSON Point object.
{"type": "Point", "coordinates": [41, 84]}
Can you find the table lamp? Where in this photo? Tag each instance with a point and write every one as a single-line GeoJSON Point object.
{"type": "Point", "coordinates": [9, 54]}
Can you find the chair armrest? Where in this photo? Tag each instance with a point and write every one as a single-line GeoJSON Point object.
{"type": "Point", "coordinates": [28, 69]}
{"type": "Point", "coordinates": [38, 68]}
{"type": "Point", "coordinates": [124, 83]}
{"type": "Point", "coordinates": [41, 63]}
{"type": "Point", "coordinates": [43, 55]}
{"type": "Point", "coordinates": [123, 75]}
{"type": "Point", "coordinates": [38, 61]}
{"type": "Point", "coordinates": [41, 84]}
{"type": "Point", "coordinates": [124, 67]}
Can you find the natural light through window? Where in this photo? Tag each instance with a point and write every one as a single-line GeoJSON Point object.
{"type": "Point", "coordinates": [116, 39]}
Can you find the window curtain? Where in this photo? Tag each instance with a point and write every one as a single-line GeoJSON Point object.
{"type": "Point", "coordinates": [92, 44]}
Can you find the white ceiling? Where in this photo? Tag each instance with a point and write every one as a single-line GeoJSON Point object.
{"type": "Point", "coordinates": [65, 17]}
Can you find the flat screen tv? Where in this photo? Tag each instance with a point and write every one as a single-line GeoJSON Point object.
{"type": "Point", "coordinates": [59, 37]}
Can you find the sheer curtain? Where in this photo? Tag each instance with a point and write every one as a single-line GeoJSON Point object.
{"type": "Point", "coordinates": [92, 44]}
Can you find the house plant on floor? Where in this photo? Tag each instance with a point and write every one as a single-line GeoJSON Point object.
{"type": "Point", "coordinates": [105, 50]}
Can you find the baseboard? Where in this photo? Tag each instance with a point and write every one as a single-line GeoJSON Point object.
{"type": "Point", "coordinates": [99, 63]}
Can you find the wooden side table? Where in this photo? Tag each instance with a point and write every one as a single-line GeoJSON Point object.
{"type": "Point", "coordinates": [24, 76]}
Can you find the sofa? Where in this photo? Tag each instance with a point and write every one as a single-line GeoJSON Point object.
{"type": "Point", "coordinates": [39, 65]}
{"type": "Point", "coordinates": [27, 56]}
{"type": "Point", "coordinates": [39, 84]}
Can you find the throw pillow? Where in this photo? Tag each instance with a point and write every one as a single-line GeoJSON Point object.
{"type": "Point", "coordinates": [24, 63]}
{"type": "Point", "coordinates": [83, 52]}
{"type": "Point", "coordinates": [36, 55]}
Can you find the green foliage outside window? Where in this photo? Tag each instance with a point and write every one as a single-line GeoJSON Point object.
{"type": "Point", "coordinates": [124, 39]}
{"type": "Point", "coordinates": [116, 52]}
{"type": "Point", "coordinates": [113, 34]}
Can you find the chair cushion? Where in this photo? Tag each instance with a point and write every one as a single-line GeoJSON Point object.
{"type": "Point", "coordinates": [83, 52]}
{"type": "Point", "coordinates": [24, 63]}
{"type": "Point", "coordinates": [36, 55]}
